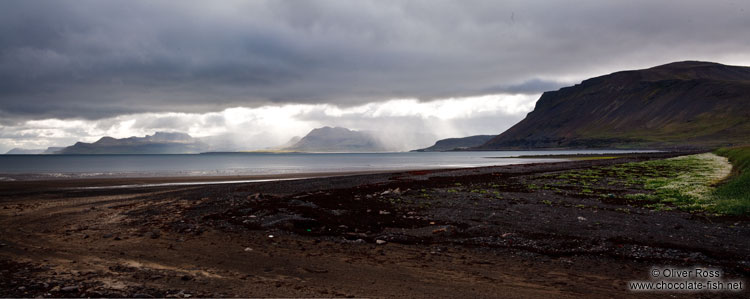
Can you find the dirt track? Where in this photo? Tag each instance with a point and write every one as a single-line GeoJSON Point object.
{"type": "Point", "coordinates": [480, 232]}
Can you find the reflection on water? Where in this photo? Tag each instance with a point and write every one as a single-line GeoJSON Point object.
{"type": "Point", "coordinates": [23, 167]}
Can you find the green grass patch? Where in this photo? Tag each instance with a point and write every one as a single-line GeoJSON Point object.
{"type": "Point", "coordinates": [733, 196]}
{"type": "Point", "coordinates": [684, 182]}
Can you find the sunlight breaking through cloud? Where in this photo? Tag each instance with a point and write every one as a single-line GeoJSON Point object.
{"type": "Point", "coordinates": [268, 126]}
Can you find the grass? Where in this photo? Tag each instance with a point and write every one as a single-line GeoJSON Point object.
{"type": "Point", "coordinates": [733, 196]}
{"type": "Point", "coordinates": [686, 183]}
{"type": "Point", "coordinates": [690, 189]}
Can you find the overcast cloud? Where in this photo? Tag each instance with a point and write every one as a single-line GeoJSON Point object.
{"type": "Point", "coordinates": [92, 62]}
{"type": "Point", "coordinates": [403, 124]}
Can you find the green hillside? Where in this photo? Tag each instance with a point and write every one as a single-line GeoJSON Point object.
{"type": "Point", "coordinates": [679, 105]}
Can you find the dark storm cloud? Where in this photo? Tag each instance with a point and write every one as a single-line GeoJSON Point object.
{"type": "Point", "coordinates": [95, 59]}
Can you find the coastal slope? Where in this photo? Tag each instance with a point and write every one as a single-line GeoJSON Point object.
{"type": "Point", "coordinates": [688, 104]}
{"type": "Point", "coordinates": [457, 143]}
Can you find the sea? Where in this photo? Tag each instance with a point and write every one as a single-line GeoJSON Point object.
{"type": "Point", "coordinates": [40, 167]}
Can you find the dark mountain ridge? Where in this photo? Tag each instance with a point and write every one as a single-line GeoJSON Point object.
{"type": "Point", "coordinates": [159, 143]}
{"type": "Point", "coordinates": [686, 104]}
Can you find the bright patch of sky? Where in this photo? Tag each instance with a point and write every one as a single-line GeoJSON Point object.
{"type": "Point", "coordinates": [404, 123]}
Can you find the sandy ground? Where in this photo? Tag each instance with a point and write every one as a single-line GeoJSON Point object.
{"type": "Point", "coordinates": [478, 232]}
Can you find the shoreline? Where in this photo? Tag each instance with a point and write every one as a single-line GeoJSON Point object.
{"type": "Point", "coordinates": [446, 233]}
{"type": "Point", "coordinates": [96, 182]}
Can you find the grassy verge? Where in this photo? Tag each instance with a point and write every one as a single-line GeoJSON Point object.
{"type": "Point", "coordinates": [733, 197]}
{"type": "Point", "coordinates": [685, 183]}
{"type": "Point", "coordinates": [691, 188]}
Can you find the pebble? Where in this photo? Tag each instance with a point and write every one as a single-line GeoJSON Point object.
{"type": "Point", "coordinates": [380, 242]}
{"type": "Point", "coordinates": [247, 249]}
{"type": "Point", "coordinates": [581, 218]}
{"type": "Point", "coordinates": [69, 289]}
{"type": "Point", "coordinates": [107, 236]}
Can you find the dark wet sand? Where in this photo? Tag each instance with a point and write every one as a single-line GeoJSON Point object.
{"type": "Point", "coordinates": [440, 235]}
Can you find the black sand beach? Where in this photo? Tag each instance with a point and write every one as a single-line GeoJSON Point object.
{"type": "Point", "coordinates": [477, 232]}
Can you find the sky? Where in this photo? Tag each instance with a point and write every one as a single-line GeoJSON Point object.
{"type": "Point", "coordinates": [253, 74]}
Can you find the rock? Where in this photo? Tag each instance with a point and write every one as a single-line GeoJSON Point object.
{"type": "Point", "coordinates": [440, 230]}
{"type": "Point", "coordinates": [154, 234]}
{"type": "Point", "coordinates": [186, 277]}
{"type": "Point", "coordinates": [315, 270]}
{"type": "Point", "coordinates": [21, 288]}
{"type": "Point", "coordinates": [384, 212]}
{"type": "Point", "coordinates": [397, 191]}
{"type": "Point", "coordinates": [142, 295]}
{"type": "Point", "coordinates": [581, 218]}
{"type": "Point", "coordinates": [338, 212]}
{"type": "Point", "coordinates": [380, 242]}
{"type": "Point", "coordinates": [69, 289]}
{"type": "Point", "coordinates": [248, 249]}
{"type": "Point", "coordinates": [55, 289]}
{"type": "Point", "coordinates": [386, 192]}
{"type": "Point", "coordinates": [107, 236]}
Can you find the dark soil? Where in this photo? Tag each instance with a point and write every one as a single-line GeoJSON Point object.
{"type": "Point", "coordinates": [479, 232]}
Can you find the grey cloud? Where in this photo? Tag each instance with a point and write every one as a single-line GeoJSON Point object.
{"type": "Point", "coordinates": [96, 59]}
{"type": "Point", "coordinates": [532, 86]}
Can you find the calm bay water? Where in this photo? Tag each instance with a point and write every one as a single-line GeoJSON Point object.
{"type": "Point", "coordinates": [23, 167]}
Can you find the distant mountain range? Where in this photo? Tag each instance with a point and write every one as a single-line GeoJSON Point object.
{"type": "Point", "coordinates": [688, 104]}
{"type": "Point", "coordinates": [336, 139]}
{"type": "Point", "coordinates": [24, 151]}
{"type": "Point", "coordinates": [159, 143]}
{"type": "Point", "coordinates": [678, 105]}
{"type": "Point", "coordinates": [457, 143]}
